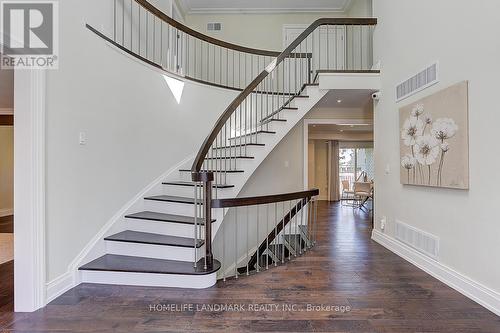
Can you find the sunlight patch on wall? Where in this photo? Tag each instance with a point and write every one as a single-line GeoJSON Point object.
{"type": "Point", "coordinates": [176, 87]}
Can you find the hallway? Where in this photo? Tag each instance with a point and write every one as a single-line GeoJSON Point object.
{"type": "Point", "coordinates": [347, 283]}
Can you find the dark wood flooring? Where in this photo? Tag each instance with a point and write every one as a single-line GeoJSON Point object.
{"type": "Point", "coordinates": [7, 224]}
{"type": "Point", "coordinates": [384, 293]}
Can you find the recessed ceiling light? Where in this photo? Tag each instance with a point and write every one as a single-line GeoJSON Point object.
{"type": "Point", "coordinates": [341, 130]}
{"type": "Point", "coordinates": [339, 101]}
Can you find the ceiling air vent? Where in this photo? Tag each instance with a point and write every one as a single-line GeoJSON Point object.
{"type": "Point", "coordinates": [214, 26]}
{"type": "Point", "coordinates": [420, 240]}
{"type": "Point", "coordinates": [418, 82]}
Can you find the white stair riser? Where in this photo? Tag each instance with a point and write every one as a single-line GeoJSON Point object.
{"type": "Point", "coordinates": [226, 178]}
{"type": "Point", "coordinates": [148, 279]}
{"type": "Point", "coordinates": [164, 228]}
{"type": "Point", "coordinates": [187, 191]}
{"type": "Point", "coordinates": [168, 207]}
{"type": "Point", "coordinates": [152, 251]}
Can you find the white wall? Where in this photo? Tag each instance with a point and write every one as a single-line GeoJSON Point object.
{"type": "Point", "coordinates": [361, 8]}
{"type": "Point", "coordinates": [409, 36]}
{"type": "Point", "coordinates": [265, 31]}
{"type": "Point", "coordinates": [135, 132]}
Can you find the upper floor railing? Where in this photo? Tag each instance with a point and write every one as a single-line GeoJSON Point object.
{"type": "Point", "coordinates": [144, 31]}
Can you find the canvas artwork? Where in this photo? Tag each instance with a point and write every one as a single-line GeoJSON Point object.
{"type": "Point", "coordinates": [434, 141]}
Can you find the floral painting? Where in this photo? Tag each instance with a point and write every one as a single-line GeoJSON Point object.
{"type": "Point", "coordinates": [434, 139]}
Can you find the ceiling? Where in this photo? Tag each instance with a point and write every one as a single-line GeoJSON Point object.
{"type": "Point", "coordinates": [264, 6]}
{"type": "Point", "coordinates": [336, 129]}
{"type": "Point", "coordinates": [352, 98]}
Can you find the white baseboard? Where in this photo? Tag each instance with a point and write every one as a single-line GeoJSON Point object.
{"type": "Point", "coordinates": [474, 290]}
{"type": "Point", "coordinates": [6, 111]}
{"type": "Point", "coordinates": [6, 212]}
{"type": "Point", "coordinates": [59, 286]}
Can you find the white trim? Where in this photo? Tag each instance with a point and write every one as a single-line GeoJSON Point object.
{"type": "Point", "coordinates": [6, 212]}
{"type": "Point", "coordinates": [59, 286]}
{"type": "Point", "coordinates": [6, 111]}
{"type": "Point", "coordinates": [474, 290]}
{"type": "Point", "coordinates": [312, 121]}
{"type": "Point", "coordinates": [228, 10]}
{"type": "Point", "coordinates": [29, 190]}
{"type": "Point", "coordinates": [291, 26]}
{"type": "Point", "coordinates": [150, 279]}
{"type": "Point", "coordinates": [71, 278]}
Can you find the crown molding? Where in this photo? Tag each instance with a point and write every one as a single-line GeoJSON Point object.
{"type": "Point", "coordinates": [227, 10]}
{"type": "Point", "coordinates": [201, 11]}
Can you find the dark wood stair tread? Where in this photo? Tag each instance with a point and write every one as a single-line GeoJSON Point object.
{"type": "Point", "coordinates": [218, 171]}
{"type": "Point", "coordinates": [129, 236]}
{"type": "Point", "coordinates": [251, 133]}
{"type": "Point", "coordinates": [172, 198]}
{"type": "Point", "coordinates": [240, 145]}
{"type": "Point", "coordinates": [191, 184]}
{"type": "Point", "coordinates": [117, 263]}
{"type": "Point", "coordinates": [227, 157]}
{"type": "Point", "coordinates": [161, 217]}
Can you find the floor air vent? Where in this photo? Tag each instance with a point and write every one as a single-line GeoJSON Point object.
{"type": "Point", "coordinates": [420, 240]}
{"type": "Point", "coordinates": [418, 82]}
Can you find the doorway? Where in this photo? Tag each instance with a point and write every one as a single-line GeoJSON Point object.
{"type": "Point", "coordinates": [7, 188]}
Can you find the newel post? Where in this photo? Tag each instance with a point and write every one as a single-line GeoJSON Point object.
{"type": "Point", "coordinates": [206, 178]}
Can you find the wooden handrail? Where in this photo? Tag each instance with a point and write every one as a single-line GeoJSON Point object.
{"type": "Point", "coordinates": [261, 200]}
{"type": "Point", "coordinates": [198, 162]}
{"type": "Point", "coordinates": [162, 16]}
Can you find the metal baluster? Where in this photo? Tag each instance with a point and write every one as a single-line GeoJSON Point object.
{"type": "Point", "coordinates": [267, 238]}
{"type": "Point", "coordinates": [257, 240]}
{"type": "Point", "coordinates": [315, 220]}
{"type": "Point", "coordinates": [147, 35]}
{"type": "Point", "coordinates": [302, 204]}
{"type": "Point", "coordinates": [236, 242]}
{"type": "Point", "coordinates": [154, 38]}
{"type": "Point", "coordinates": [195, 223]}
{"type": "Point", "coordinates": [161, 43]}
{"type": "Point", "coordinates": [336, 47]}
{"type": "Point", "coordinates": [328, 47]}
{"type": "Point", "coordinates": [248, 232]}
{"type": "Point", "coordinates": [297, 235]}
{"type": "Point", "coordinates": [131, 25]}
{"type": "Point", "coordinates": [123, 22]}
{"type": "Point", "coordinates": [139, 32]}
{"type": "Point", "coordinates": [114, 20]}
{"type": "Point", "coordinates": [224, 252]}
{"type": "Point", "coordinates": [283, 232]}
{"type": "Point", "coordinates": [290, 229]}
{"type": "Point", "coordinates": [319, 47]}
{"type": "Point", "coordinates": [276, 234]}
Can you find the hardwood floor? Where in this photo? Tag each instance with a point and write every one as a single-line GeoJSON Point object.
{"type": "Point", "coordinates": [7, 224]}
{"type": "Point", "coordinates": [384, 293]}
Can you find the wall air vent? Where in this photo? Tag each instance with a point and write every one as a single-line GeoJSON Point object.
{"type": "Point", "coordinates": [418, 82]}
{"type": "Point", "coordinates": [214, 26]}
{"type": "Point", "coordinates": [420, 240]}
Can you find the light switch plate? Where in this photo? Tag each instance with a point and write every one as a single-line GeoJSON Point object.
{"type": "Point", "coordinates": [82, 138]}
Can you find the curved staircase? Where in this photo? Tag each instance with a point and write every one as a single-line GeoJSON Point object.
{"type": "Point", "coordinates": [167, 242]}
